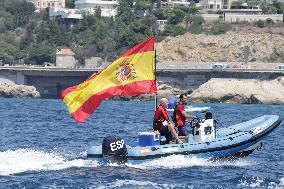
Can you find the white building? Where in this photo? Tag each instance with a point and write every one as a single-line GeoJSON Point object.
{"type": "Point", "coordinates": [65, 58]}
{"type": "Point", "coordinates": [161, 24]}
{"type": "Point", "coordinates": [65, 13]}
{"type": "Point", "coordinates": [108, 7]}
{"type": "Point", "coordinates": [212, 4]}
{"type": "Point", "coordinates": [42, 4]}
{"type": "Point", "coordinates": [175, 3]}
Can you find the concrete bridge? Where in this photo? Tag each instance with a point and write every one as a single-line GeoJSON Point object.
{"type": "Point", "coordinates": [51, 81]}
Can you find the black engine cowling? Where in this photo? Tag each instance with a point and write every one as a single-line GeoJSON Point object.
{"type": "Point", "coordinates": [114, 149]}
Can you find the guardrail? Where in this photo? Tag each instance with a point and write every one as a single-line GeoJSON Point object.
{"type": "Point", "coordinates": [177, 69]}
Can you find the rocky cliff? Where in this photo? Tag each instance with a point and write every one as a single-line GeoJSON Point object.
{"type": "Point", "coordinates": [241, 91]}
{"type": "Point", "coordinates": [18, 91]}
{"type": "Point", "coordinates": [264, 46]}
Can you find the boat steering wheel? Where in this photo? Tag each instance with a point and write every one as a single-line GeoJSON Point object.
{"type": "Point", "coordinates": [194, 122]}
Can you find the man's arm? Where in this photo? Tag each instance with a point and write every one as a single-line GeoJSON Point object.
{"type": "Point", "coordinates": [188, 116]}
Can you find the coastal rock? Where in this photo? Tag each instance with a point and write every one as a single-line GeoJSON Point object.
{"type": "Point", "coordinates": [18, 91]}
{"type": "Point", "coordinates": [164, 90]}
{"type": "Point", "coordinates": [249, 91]}
{"type": "Point", "coordinates": [263, 46]}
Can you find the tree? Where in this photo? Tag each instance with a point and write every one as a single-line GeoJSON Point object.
{"type": "Point", "coordinates": [160, 14]}
{"type": "Point", "coordinates": [22, 11]}
{"type": "Point", "coordinates": [125, 11]}
{"type": "Point", "coordinates": [253, 2]}
{"type": "Point", "coordinates": [39, 54]}
{"type": "Point", "coordinates": [98, 12]}
{"type": "Point", "coordinates": [279, 6]}
{"type": "Point", "coordinates": [139, 9]}
{"type": "Point", "coordinates": [70, 4]}
{"type": "Point", "coordinates": [177, 16]}
{"type": "Point", "coordinates": [193, 9]}
{"type": "Point", "coordinates": [197, 19]}
{"type": "Point", "coordinates": [151, 22]}
{"type": "Point", "coordinates": [196, 22]}
{"type": "Point", "coordinates": [268, 9]}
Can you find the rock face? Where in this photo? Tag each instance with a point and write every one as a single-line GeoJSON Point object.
{"type": "Point", "coordinates": [264, 47]}
{"type": "Point", "coordinates": [18, 91]}
{"type": "Point", "coordinates": [241, 91]}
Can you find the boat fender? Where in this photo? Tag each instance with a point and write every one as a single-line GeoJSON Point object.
{"type": "Point", "coordinates": [114, 149]}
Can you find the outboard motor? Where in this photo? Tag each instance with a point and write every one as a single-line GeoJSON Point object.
{"type": "Point", "coordinates": [114, 149]}
{"type": "Point", "coordinates": [204, 130]}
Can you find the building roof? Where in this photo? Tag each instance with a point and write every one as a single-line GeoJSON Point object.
{"type": "Point", "coordinates": [66, 52]}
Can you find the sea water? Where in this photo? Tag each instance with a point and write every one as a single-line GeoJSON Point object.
{"type": "Point", "coordinates": [42, 147]}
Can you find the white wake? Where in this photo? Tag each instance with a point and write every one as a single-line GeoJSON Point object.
{"type": "Point", "coordinates": [26, 160]}
{"type": "Point", "coordinates": [181, 161]}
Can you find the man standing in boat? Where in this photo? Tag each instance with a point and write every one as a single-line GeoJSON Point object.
{"type": "Point", "coordinates": [180, 116]}
{"type": "Point", "coordinates": [162, 122]}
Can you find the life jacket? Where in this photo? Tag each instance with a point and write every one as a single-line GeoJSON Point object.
{"type": "Point", "coordinates": [157, 122]}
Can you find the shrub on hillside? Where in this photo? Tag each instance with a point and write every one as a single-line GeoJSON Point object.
{"type": "Point", "coordinates": [196, 29]}
{"type": "Point", "coordinates": [219, 27]}
{"type": "Point", "coordinates": [174, 30]}
{"type": "Point", "coordinates": [269, 21]}
{"type": "Point", "coordinates": [260, 24]}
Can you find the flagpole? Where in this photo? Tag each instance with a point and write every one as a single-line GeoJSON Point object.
{"type": "Point", "coordinates": [155, 72]}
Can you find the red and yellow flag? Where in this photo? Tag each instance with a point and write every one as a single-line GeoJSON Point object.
{"type": "Point", "coordinates": [130, 75]}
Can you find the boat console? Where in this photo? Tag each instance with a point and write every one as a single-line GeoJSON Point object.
{"type": "Point", "coordinates": [203, 129]}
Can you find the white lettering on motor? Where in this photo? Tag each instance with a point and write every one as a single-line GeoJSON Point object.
{"type": "Point", "coordinates": [116, 145]}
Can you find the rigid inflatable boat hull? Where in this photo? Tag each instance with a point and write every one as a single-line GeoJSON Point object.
{"type": "Point", "coordinates": [232, 142]}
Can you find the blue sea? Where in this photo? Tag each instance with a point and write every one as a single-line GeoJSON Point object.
{"type": "Point", "coordinates": [42, 147]}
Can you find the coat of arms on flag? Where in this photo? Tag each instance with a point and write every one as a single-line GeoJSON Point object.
{"type": "Point", "coordinates": [125, 71]}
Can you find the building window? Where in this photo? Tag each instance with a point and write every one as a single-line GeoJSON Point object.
{"type": "Point", "coordinates": [218, 6]}
{"type": "Point", "coordinates": [211, 6]}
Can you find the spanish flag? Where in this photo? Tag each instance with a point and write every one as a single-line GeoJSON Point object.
{"type": "Point", "coordinates": [130, 75]}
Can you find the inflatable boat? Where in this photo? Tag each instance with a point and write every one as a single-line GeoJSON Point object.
{"type": "Point", "coordinates": [206, 141]}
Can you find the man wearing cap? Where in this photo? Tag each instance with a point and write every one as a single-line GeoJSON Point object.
{"type": "Point", "coordinates": [164, 126]}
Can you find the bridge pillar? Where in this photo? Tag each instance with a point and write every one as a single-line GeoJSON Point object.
{"type": "Point", "coordinates": [20, 78]}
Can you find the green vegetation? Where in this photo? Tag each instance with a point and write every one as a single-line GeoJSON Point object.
{"type": "Point", "coordinates": [34, 36]}
{"type": "Point", "coordinates": [196, 22]}
{"type": "Point", "coordinates": [70, 4]}
{"type": "Point", "coordinates": [219, 28]}
{"type": "Point", "coordinates": [260, 23]}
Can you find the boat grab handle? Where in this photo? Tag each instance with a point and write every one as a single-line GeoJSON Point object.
{"type": "Point", "coordinates": [156, 137]}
